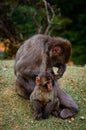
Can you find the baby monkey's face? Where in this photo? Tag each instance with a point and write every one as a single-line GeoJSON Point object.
{"type": "Point", "coordinates": [45, 81]}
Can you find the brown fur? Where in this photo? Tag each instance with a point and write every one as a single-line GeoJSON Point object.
{"type": "Point", "coordinates": [47, 100]}
{"type": "Point", "coordinates": [36, 56]}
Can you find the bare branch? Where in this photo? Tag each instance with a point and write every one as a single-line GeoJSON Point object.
{"type": "Point", "coordinates": [47, 13]}
{"type": "Point", "coordinates": [48, 6]}
{"type": "Point", "coordinates": [38, 27]}
{"type": "Point", "coordinates": [12, 10]}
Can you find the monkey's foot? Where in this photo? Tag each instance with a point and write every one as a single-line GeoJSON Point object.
{"type": "Point", "coordinates": [54, 113]}
{"type": "Point", "coordinates": [66, 113]}
{"type": "Point", "coordinates": [38, 116]}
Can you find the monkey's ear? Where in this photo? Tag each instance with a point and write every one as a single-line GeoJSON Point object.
{"type": "Point", "coordinates": [37, 81]}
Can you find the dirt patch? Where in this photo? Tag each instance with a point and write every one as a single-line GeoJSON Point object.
{"type": "Point", "coordinates": [8, 92]}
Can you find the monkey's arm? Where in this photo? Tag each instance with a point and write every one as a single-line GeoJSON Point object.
{"type": "Point", "coordinates": [30, 72]}
{"type": "Point", "coordinates": [70, 106]}
{"type": "Point", "coordinates": [61, 69]}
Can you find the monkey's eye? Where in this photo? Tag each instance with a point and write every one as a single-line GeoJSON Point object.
{"type": "Point", "coordinates": [46, 84]}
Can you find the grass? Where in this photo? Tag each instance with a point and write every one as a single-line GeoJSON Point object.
{"type": "Point", "coordinates": [16, 113]}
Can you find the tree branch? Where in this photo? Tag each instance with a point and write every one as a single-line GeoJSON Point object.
{"type": "Point", "coordinates": [38, 27]}
{"type": "Point", "coordinates": [48, 6]}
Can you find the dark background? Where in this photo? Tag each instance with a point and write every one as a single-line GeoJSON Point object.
{"type": "Point", "coordinates": [21, 19]}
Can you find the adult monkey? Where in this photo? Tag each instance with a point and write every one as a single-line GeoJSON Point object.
{"type": "Point", "coordinates": [41, 53]}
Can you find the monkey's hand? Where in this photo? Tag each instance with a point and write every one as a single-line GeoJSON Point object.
{"type": "Point", "coordinates": [61, 70]}
{"type": "Point", "coordinates": [58, 73]}
{"type": "Point", "coordinates": [38, 116]}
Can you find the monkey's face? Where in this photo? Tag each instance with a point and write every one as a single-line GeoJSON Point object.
{"type": "Point", "coordinates": [56, 54]}
{"type": "Point", "coordinates": [44, 81]}
{"type": "Point", "coordinates": [55, 51]}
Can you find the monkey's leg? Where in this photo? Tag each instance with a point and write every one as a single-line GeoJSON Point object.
{"type": "Point", "coordinates": [70, 107]}
{"type": "Point", "coordinates": [21, 92]}
{"type": "Point", "coordinates": [24, 87]}
{"type": "Point", "coordinates": [55, 110]}
{"type": "Point", "coordinates": [37, 106]}
{"type": "Point", "coordinates": [49, 108]}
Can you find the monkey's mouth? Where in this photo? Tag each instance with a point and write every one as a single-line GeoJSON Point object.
{"type": "Point", "coordinates": [44, 86]}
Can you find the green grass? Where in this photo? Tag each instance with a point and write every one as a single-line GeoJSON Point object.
{"type": "Point", "coordinates": [16, 113]}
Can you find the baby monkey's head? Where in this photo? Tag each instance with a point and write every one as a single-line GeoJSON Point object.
{"type": "Point", "coordinates": [45, 81]}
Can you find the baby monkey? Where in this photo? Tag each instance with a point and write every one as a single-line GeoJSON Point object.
{"type": "Point", "coordinates": [44, 97]}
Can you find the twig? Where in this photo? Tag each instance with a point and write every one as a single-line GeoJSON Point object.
{"type": "Point", "coordinates": [48, 6]}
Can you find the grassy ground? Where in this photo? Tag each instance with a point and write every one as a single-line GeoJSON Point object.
{"type": "Point", "coordinates": [16, 113]}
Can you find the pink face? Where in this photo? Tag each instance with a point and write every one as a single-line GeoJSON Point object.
{"type": "Point", "coordinates": [56, 51]}
{"type": "Point", "coordinates": [49, 85]}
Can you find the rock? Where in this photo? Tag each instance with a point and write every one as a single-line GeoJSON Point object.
{"type": "Point", "coordinates": [82, 117]}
